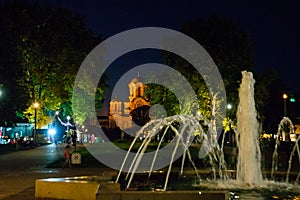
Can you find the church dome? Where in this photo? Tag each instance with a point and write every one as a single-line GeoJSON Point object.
{"type": "Point", "coordinates": [137, 79]}
{"type": "Point", "coordinates": [115, 100]}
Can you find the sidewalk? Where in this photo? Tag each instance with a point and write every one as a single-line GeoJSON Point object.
{"type": "Point", "coordinates": [19, 170]}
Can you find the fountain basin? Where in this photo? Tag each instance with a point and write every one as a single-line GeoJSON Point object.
{"type": "Point", "coordinates": [82, 187]}
{"type": "Point", "coordinates": [162, 195]}
{"type": "Point", "coordinates": [98, 187]}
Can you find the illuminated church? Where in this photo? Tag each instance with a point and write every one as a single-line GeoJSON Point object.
{"type": "Point", "coordinates": [119, 112]}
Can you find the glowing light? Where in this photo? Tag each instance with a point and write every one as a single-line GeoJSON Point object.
{"type": "Point", "coordinates": [52, 131]}
{"type": "Point", "coordinates": [285, 96]}
{"type": "Point", "coordinates": [229, 106]}
{"type": "Point", "coordinates": [36, 104]}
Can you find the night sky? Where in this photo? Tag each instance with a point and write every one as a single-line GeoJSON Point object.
{"type": "Point", "coordinates": [272, 25]}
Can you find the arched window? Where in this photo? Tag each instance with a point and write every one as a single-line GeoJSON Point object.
{"type": "Point", "coordinates": [139, 91]}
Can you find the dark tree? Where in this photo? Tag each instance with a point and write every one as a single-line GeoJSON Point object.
{"type": "Point", "coordinates": [263, 91]}
{"type": "Point", "coordinates": [273, 110]}
{"type": "Point", "coordinates": [45, 50]}
{"type": "Point", "coordinates": [229, 47]}
{"type": "Point", "coordinates": [140, 115]}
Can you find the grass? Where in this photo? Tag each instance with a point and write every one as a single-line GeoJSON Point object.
{"type": "Point", "coordinates": [125, 146]}
{"type": "Point", "coordinates": [89, 161]}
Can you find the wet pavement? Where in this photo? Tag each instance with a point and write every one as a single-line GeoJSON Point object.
{"type": "Point", "coordinates": [19, 170]}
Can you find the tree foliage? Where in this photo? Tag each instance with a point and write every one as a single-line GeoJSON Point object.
{"type": "Point", "coordinates": [229, 47]}
{"type": "Point", "coordinates": [140, 115]}
{"type": "Point", "coordinates": [48, 48]}
{"type": "Point", "coordinates": [263, 82]}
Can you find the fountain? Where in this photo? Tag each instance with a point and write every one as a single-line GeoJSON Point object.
{"type": "Point", "coordinates": [285, 129]}
{"type": "Point", "coordinates": [249, 175]}
{"type": "Point", "coordinates": [248, 167]}
{"type": "Point", "coordinates": [188, 130]}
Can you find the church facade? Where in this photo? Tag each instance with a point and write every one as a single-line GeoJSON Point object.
{"type": "Point", "coordinates": [119, 111]}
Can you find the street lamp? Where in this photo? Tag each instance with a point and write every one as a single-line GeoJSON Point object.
{"type": "Point", "coordinates": [68, 118]}
{"type": "Point", "coordinates": [229, 106]}
{"type": "Point", "coordinates": [35, 105]}
{"type": "Point", "coordinates": [285, 96]}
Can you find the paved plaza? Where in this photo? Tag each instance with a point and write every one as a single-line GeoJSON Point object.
{"type": "Point", "coordinates": [19, 170]}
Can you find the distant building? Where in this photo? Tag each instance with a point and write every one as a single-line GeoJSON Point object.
{"type": "Point", "coordinates": [296, 133]}
{"type": "Point", "coordinates": [297, 129]}
{"type": "Point", "coordinates": [103, 121]}
{"type": "Point", "coordinates": [119, 111]}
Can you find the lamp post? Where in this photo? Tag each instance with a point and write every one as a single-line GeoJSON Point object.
{"type": "Point", "coordinates": [284, 96]}
{"type": "Point", "coordinates": [68, 132]}
{"type": "Point", "coordinates": [56, 119]}
{"type": "Point", "coordinates": [230, 136]}
{"type": "Point", "coordinates": [229, 108]}
{"type": "Point", "coordinates": [56, 125]}
{"type": "Point", "coordinates": [35, 105]}
{"type": "Point", "coordinates": [68, 118]}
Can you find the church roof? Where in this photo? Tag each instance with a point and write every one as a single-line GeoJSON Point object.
{"type": "Point", "coordinates": [137, 79]}
{"type": "Point", "coordinates": [115, 100]}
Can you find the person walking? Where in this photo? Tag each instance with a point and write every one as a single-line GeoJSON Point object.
{"type": "Point", "coordinates": [67, 156]}
{"type": "Point", "coordinates": [74, 138]}
{"type": "Point", "coordinates": [68, 136]}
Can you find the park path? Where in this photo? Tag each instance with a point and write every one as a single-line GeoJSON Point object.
{"type": "Point", "coordinates": [18, 170]}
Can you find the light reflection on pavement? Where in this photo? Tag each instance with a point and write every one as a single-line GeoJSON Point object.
{"type": "Point", "coordinates": [18, 170]}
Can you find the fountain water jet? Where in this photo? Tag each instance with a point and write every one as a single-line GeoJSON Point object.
{"type": "Point", "coordinates": [285, 128]}
{"type": "Point", "coordinates": [190, 127]}
{"type": "Point", "coordinates": [249, 156]}
{"type": "Point", "coordinates": [296, 147]}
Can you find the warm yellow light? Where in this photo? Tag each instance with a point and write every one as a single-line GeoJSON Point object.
{"type": "Point", "coordinates": [285, 96]}
{"type": "Point", "coordinates": [36, 104]}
